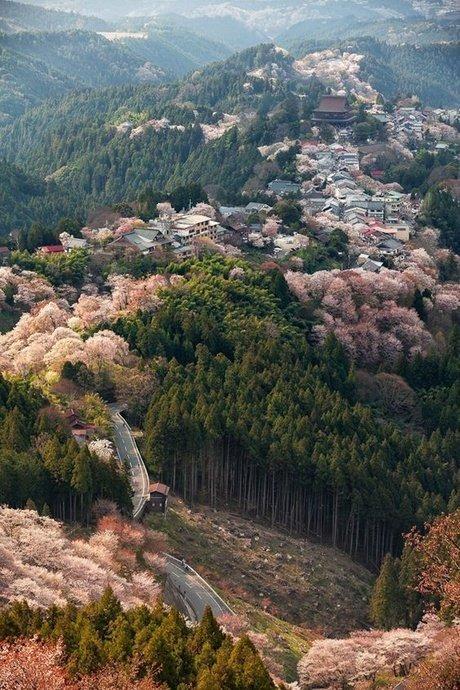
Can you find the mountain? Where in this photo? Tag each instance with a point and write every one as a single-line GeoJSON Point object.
{"type": "Point", "coordinates": [174, 49]}
{"type": "Point", "coordinates": [232, 32]}
{"type": "Point", "coordinates": [37, 66]}
{"type": "Point", "coordinates": [428, 71]}
{"type": "Point", "coordinates": [77, 141]}
{"type": "Point", "coordinates": [269, 17]}
{"type": "Point", "coordinates": [393, 30]}
{"type": "Point", "coordinates": [15, 16]}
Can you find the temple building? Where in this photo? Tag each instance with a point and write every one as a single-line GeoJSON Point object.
{"type": "Point", "coordinates": [334, 110]}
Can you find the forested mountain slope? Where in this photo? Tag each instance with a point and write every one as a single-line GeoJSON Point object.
{"type": "Point", "coordinates": [16, 16]}
{"type": "Point", "coordinates": [230, 31]}
{"type": "Point", "coordinates": [175, 49]}
{"type": "Point", "coordinates": [428, 71]}
{"type": "Point", "coordinates": [76, 140]}
{"type": "Point", "coordinates": [17, 191]}
{"type": "Point", "coordinates": [37, 66]}
{"type": "Point", "coordinates": [412, 30]}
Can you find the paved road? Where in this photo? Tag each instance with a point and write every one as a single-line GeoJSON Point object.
{"type": "Point", "coordinates": [194, 591]}
{"type": "Point", "coordinates": [127, 450]}
{"type": "Point", "coordinates": [187, 587]}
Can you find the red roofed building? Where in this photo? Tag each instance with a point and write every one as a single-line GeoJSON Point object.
{"type": "Point", "coordinates": [51, 249]}
{"type": "Point", "coordinates": [158, 497]}
{"type": "Point", "coordinates": [334, 110]}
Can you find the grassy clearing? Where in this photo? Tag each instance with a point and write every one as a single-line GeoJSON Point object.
{"type": "Point", "coordinates": [315, 587]}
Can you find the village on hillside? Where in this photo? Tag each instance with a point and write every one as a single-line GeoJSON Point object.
{"type": "Point", "coordinates": [334, 184]}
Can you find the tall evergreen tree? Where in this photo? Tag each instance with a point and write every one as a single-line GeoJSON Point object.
{"type": "Point", "coordinates": [387, 609]}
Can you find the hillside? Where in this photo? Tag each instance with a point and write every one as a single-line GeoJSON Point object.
{"type": "Point", "coordinates": [428, 71]}
{"type": "Point", "coordinates": [18, 191]}
{"type": "Point", "coordinates": [101, 164]}
{"type": "Point", "coordinates": [37, 66]}
{"type": "Point", "coordinates": [15, 16]}
{"type": "Point", "coordinates": [230, 31]}
{"type": "Point", "coordinates": [395, 30]}
{"type": "Point", "coordinates": [174, 48]}
{"type": "Point", "coordinates": [297, 580]}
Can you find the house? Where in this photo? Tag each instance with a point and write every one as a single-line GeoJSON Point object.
{"type": "Point", "coordinates": [188, 226]}
{"type": "Point", "coordinates": [142, 240]}
{"type": "Point", "coordinates": [176, 235]}
{"type": "Point", "coordinates": [158, 502]}
{"type": "Point", "coordinates": [371, 266]}
{"type": "Point", "coordinates": [400, 229]}
{"type": "Point", "coordinates": [393, 202]}
{"type": "Point", "coordinates": [80, 430]}
{"type": "Point", "coordinates": [4, 254]}
{"type": "Point", "coordinates": [314, 200]}
{"type": "Point", "coordinates": [332, 206]}
{"type": "Point", "coordinates": [349, 160]}
{"type": "Point", "coordinates": [229, 211]}
{"type": "Point", "coordinates": [283, 187]}
{"type": "Point", "coordinates": [51, 249]}
{"type": "Point", "coordinates": [69, 242]}
{"type": "Point", "coordinates": [390, 246]}
{"type": "Point", "coordinates": [375, 209]}
{"type": "Point", "coordinates": [254, 207]}
{"type": "Point", "coordinates": [334, 110]}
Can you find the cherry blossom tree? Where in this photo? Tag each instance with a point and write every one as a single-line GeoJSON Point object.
{"type": "Point", "coordinates": [43, 566]}
{"type": "Point", "coordinates": [333, 663]}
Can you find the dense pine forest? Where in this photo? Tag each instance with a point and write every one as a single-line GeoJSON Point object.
{"type": "Point", "coordinates": [154, 644]}
{"type": "Point", "coordinates": [75, 143]}
{"type": "Point", "coordinates": [276, 426]}
{"type": "Point", "coordinates": [41, 464]}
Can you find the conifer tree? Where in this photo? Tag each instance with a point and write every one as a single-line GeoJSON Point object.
{"type": "Point", "coordinates": [387, 609]}
{"type": "Point", "coordinates": [247, 669]}
{"type": "Point", "coordinates": [207, 631]}
{"type": "Point", "coordinates": [105, 611]}
{"type": "Point", "coordinates": [119, 646]}
{"type": "Point", "coordinates": [89, 655]}
{"type": "Point", "coordinates": [30, 505]}
{"type": "Point", "coordinates": [46, 511]}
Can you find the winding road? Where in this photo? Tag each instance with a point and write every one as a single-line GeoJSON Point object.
{"type": "Point", "coordinates": [185, 588]}
{"type": "Point", "coordinates": [129, 452]}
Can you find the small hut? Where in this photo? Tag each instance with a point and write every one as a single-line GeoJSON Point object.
{"type": "Point", "coordinates": [158, 497]}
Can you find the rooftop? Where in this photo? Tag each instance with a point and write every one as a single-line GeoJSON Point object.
{"type": "Point", "coordinates": [159, 488]}
{"type": "Point", "coordinates": [333, 104]}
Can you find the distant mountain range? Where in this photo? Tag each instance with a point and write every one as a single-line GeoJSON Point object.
{"type": "Point", "coordinates": [43, 55]}
{"type": "Point", "coordinates": [269, 15]}
{"type": "Point", "coordinates": [16, 16]}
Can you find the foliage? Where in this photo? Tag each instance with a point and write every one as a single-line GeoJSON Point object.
{"type": "Point", "coordinates": [442, 210]}
{"type": "Point", "coordinates": [69, 268]}
{"type": "Point", "coordinates": [240, 382]}
{"type": "Point", "coordinates": [16, 190]}
{"type": "Point", "coordinates": [39, 460]}
{"type": "Point", "coordinates": [339, 663]}
{"type": "Point", "coordinates": [43, 565]}
{"type": "Point", "coordinates": [157, 640]}
{"type": "Point", "coordinates": [438, 551]}
{"type": "Point", "coordinates": [387, 598]}
{"type": "Point", "coordinates": [90, 162]}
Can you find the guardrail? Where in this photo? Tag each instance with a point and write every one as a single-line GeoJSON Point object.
{"type": "Point", "coordinates": [137, 512]}
{"type": "Point", "coordinates": [206, 584]}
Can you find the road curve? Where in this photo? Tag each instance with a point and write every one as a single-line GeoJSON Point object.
{"type": "Point", "coordinates": [129, 452]}
{"type": "Point", "coordinates": [187, 589]}
{"type": "Point", "coordinates": [194, 591]}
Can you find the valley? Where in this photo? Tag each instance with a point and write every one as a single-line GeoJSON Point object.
{"type": "Point", "coordinates": [229, 345]}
